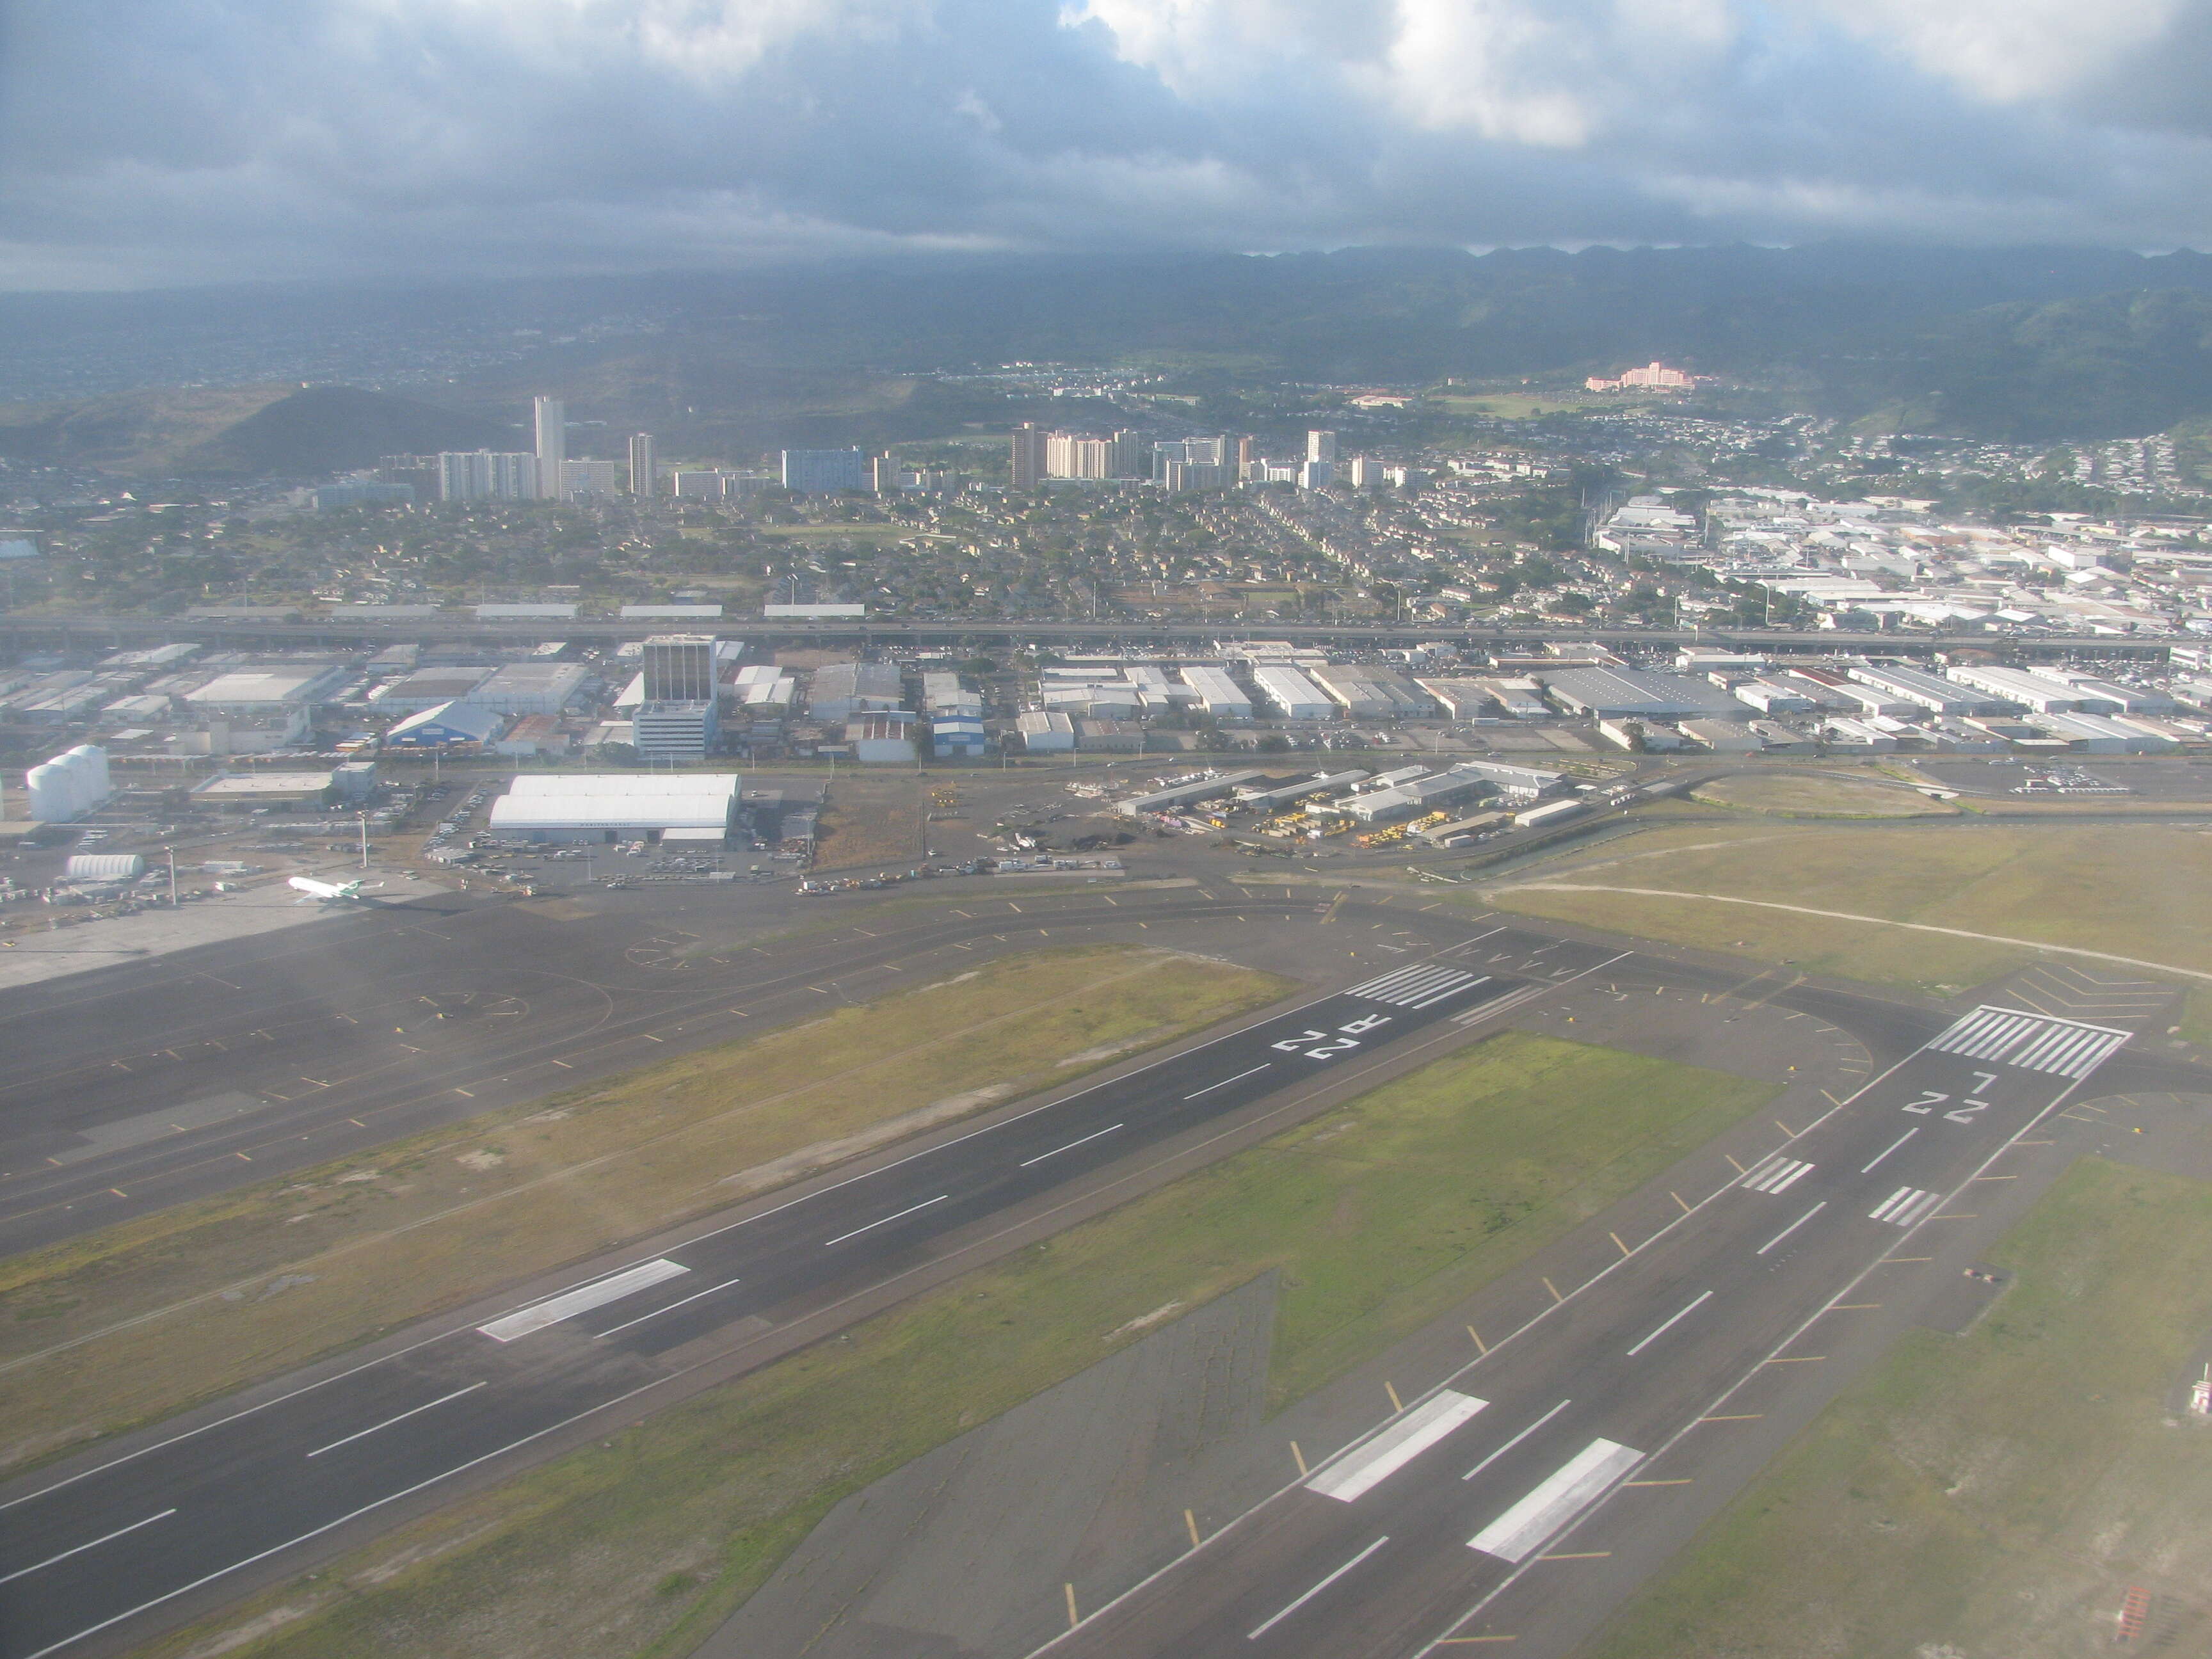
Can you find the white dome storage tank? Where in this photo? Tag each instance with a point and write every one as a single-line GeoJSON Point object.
{"type": "Point", "coordinates": [93, 759]}
{"type": "Point", "coordinates": [50, 797]}
{"type": "Point", "coordinates": [76, 790]}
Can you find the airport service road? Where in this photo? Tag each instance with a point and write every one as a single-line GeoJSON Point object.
{"type": "Point", "coordinates": [101, 1548]}
{"type": "Point", "coordinates": [1475, 1515]}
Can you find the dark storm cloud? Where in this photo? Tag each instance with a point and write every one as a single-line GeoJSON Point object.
{"type": "Point", "coordinates": [161, 141]}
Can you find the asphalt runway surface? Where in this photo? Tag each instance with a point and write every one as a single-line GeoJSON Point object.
{"type": "Point", "coordinates": [95, 1548]}
{"type": "Point", "coordinates": [1474, 1515]}
{"type": "Point", "coordinates": [101, 1550]}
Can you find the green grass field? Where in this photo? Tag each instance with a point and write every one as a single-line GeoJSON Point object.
{"type": "Point", "coordinates": [441, 1218]}
{"type": "Point", "coordinates": [1995, 1493]}
{"type": "Point", "coordinates": [1378, 1216]}
{"type": "Point", "coordinates": [2142, 891]}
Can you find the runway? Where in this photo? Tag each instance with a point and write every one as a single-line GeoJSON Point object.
{"type": "Point", "coordinates": [93, 1549]}
{"type": "Point", "coordinates": [1491, 1508]}
{"type": "Point", "coordinates": [104, 1549]}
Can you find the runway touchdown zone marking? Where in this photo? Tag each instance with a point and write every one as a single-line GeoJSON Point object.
{"type": "Point", "coordinates": [1777, 1175]}
{"type": "Point", "coordinates": [582, 1300]}
{"type": "Point", "coordinates": [1905, 1206]}
{"type": "Point", "coordinates": [1565, 1493]}
{"type": "Point", "coordinates": [1368, 1466]}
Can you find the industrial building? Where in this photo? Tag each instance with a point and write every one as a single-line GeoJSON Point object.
{"type": "Point", "coordinates": [1928, 691]}
{"type": "Point", "coordinates": [1639, 693]}
{"type": "Point", "coordinates": [843, 690]}
{"type": "Point", "coordinates": [957, 737]}
{"type": "Point", "coordinates": [1218, 694]}
{"type": "Point", "coordinates": [428, 688]}
{"type": "Point", "coordinates": [2040, 694]}
{"type": "Point", "coordinates": [1184, 794]}
{"type": "Point", "coordinates": [530, 687]}
{"type": "Point", "coordinates": [614, 806]}
{"type": "Point", "coordinates": [1273, 800]}
{"type": "Point", "coordinates": [1045, 732]}
{"type": "Point", "coordinates": [443, 726]}
{"type": "Point", "coordinates": [245, 792]}
{"type": "Point", "coordinates": [1520, 783]}
{"type": "Point", "coordinates": [1418, 796]}
{"type": "Point", "coordinates": [1365, 693]}
{"type": "Point", "coordinates": [1291, 692]}
{"type": "Point", "coordinates": [255, 691]}
{"type": "Point", "coordinates": [674, 730]}
{"type": "Point", "coordinates": [678, 667]}
{"type": "Point", "coordinates": [883, 737]}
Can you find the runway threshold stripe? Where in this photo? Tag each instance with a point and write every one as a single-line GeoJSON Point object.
{"type": "Point", "coordinates": [1370, 1464]}
{"type": "Point", "coordinates": [582, 1300]}
{"type": "Point", "coordinates": [1565, 1493]}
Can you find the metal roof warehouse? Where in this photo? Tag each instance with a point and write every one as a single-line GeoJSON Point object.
{"type": "Point", "coordinates": [604, 806]}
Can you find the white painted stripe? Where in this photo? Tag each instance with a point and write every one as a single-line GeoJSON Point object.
{"type": "Point", "coordinates": [1892, 1147]}
{"type": "Point", "coordinates": [1758, 1171]}
{"type": "Point", "coordinates": [2060, 1056]}
{"type": "Point", "coordinates": [1369, 1464]}
{"type": "Point", "coordinates": [363, 1434]}
{"type": "Point", "coordinates": [1788, 1180]}
{"type": "Point", "coordinates": [1571, 1489]}
{"type": "Point", "coordinates": [886, 1221]}
{"type": "Point", "coordinates": [106, 1538]}
{"type": "Point", "coordinates": [2049, 1044]}
{"type": "Point", "coordinates": [582, 1300]}
{"type": "Point", "coordinates": [1385, 982]}
{"type": "Point", "coordinates": [1100, 1133]}
{"type": "Point", "coordinates": [1918, 1210]}
{"type": "Point", "coordinates": [1704, 1296]}
{"type": "Point", "coordinates": [680, 1302]}
{"type": "Point", "coordinates": [1791, 1228]}
{"type": "Point", "coordinates": [1465, 983]}
{"type": "Point", "coordinates": [1903, 1194]}
{"type": "Point", "coordinates": [1254, 1635]}
{"type": "Point", "coordinates": [1226, 1081]}
{"type": "Point", "coordinates": [2090, 1062]}
{"type": "Point", "coordinates": [1516, 1440]}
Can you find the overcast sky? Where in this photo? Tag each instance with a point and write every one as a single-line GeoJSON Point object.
{"type": "Point", "coordinates": [156, 141]}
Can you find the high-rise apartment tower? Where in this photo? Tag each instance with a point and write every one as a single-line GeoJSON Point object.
{"type": "Point", "coordinates": [643, 478]}
{"type": "Point", "coordinates": [552, 419]}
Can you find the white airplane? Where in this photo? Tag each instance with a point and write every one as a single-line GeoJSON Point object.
{"type": "Point", "coordinates": [327, 892]}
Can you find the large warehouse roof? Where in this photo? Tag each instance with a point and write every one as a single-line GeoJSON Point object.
{"type": "Point", "coordinates": [617, 800]}
{"type": "Point", "coordinates": [1618, 693]}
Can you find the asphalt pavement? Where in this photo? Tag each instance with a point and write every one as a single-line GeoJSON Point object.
{"type": "Point", "coordinates": [1476, 1513]}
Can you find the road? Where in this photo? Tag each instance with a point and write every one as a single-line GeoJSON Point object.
{"type": "Point", "coordinates": [1484, 1511]}
{"type": "Point", "coordinates": [892, 632]}
{"type": "Point", "coordinates": [95, 1548]}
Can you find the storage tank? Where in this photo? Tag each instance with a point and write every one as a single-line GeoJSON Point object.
{"type": "Point", "coordinates": [50, 797]}
{"type": "Point", "coordinates": [93, 760]}
{"type": "Point", "coordinates": [104, 866]}
{"type": "Point", "coordinates": [77, 788]}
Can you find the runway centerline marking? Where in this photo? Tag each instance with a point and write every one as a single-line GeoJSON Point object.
{"type": "Point", "coordinates": [1516, 1440]}
{"type": "Point", "coordinates": [600, 1336]}
{"type": "Point", "coordinates": [1226, 1081]}
{"type": "Point", "coordinates": [1892, 1147]}
{"type": "Point", "coordinates": [886, 1221]}
{"type": "Point", "coordinates": [1071, 1145]}
{"type": "Point", "coordinates": [416, 1412]}
{"type": "Point", "coordinates": [1791, 1228]}
{"type": "Point", "coordinates": [1702, 1297]}
{"type": "Point", "coordinates": [1255, 1634]}
{"type": "Point", "coordinates": [108, 1538]}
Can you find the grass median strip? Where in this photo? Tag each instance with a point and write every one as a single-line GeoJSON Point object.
{"type": "Point", "coordinates": [1377, 1216]}
{"type": "Point", "coordinates": [143, 1319]}
{"type": "Point", "coordinates": [1995, 1493]}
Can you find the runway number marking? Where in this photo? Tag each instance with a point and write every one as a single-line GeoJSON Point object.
{"type": "Point", "coordinates": [1319, 1045]}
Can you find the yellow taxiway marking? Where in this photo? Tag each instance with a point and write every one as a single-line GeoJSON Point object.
{"type": "Point", "coordinates": [1300, 1457]}
{"type": "Point", "coordinates": [1191, 1521]}
{"type": "Point", "coordinates": [1625, 1250]}
{"type": "Point", "coordinates": [1685, 1481]}
{"type": "Point", "coordinates": [1576, 1555]}
{"type": "Point", "coordinates": [1396, 1404]}
{"type": "Point", "coordinates": [1554, 1289]}
{"type": "Point", "coordinates": [1679, 1199]}
{"type": "Point", "coordinates": [1480, 1347]}
{"type": "Point", "coordinates": [1739, 1417]}
{"type": "Point", "coordinates": [1798, 1360]}
{"type": "Point", "coordinates": [1740, 1169]}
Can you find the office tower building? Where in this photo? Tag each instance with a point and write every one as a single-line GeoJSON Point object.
{"type": "Point", "coordinates": [1317, 475]}
{"type": "Point", "coordinates": [823, 472]}
{"type": "Point", "coordinates": [472, 475]}
{"type": "Point", "coordinates": [1366, 473]}
{"type": "Point", "coordinates": [644, 478]}
{"type": "Point", "coordinates": [1029, 447]}
{"type": "Point", "coordinates": [1320, 447]}
{"type": "Point", "coordinates": [1247, 451]}
{"type": "Point", "coordinates": [678, 668]}
{"type": "Point", "coordinates": [552, 419]}
{"type": "Point", "coordinates": [884, 476]}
